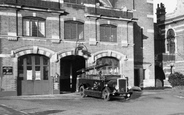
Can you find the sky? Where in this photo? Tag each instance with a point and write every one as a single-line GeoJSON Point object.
{"type": "Point", "coordinates": [169, 4]}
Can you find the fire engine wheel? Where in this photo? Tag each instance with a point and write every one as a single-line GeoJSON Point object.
{"type": "Point", "coordinates": [106, 94]}
{"type": "Point", "coordinates": [81, 89]}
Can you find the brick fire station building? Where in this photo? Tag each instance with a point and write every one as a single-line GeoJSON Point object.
{"type": "Point", "coordinates": [44, 42]}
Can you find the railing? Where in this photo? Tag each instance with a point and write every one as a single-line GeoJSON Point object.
{"type": "Point", "coordinates": [99, 11]}
{"type": "Point", "coordinates": [109, 12]}
{"type": "Point", "coordinates": [33, 3]}
{"type": "Point", "coordinates": [80, 1]}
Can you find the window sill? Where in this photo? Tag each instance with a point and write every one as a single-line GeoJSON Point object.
{"type": "Point", "coordinates": [34, 38]}
{"type": "Point", "coordinates": [108, 43]}
{"type": "Point", "coordinates": [10, 37]}
{"type": "Point", "coordinates": [72, 41]}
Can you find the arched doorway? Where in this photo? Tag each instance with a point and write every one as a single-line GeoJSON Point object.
{"type": "Point", "coordinates": [33, 75]}
{"type": "Point", "coordinates": [69, 65]}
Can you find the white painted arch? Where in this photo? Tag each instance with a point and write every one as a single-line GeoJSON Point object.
{"type": "Point", "coordinates": [110, 53]}
{"type": "Point", "coordinates": [32, 50]}
{"type": "Point", "coordinates": [69, 53]}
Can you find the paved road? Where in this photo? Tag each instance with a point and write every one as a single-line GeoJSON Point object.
{"type": "Point", "coordinates": [155, 102]}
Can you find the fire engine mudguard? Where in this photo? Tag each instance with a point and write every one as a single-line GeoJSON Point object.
{"type": "Point", "coordinates": [81, 91]}
{"type": "Point", "coordinates": [106, 95]}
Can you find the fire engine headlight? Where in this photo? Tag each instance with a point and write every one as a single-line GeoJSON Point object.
{"type": "Point", "coordinates": [128, 95]}
{"type": "Point", "coordinates": [116, 87]}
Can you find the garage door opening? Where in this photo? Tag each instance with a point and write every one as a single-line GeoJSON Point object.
{"type": "Point", "coordinates": [69, 65]}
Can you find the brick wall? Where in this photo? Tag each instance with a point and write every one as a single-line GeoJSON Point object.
{"type": "Point", "coordinates": [52, 28]}
{"type": "Point", "coordinates": [145, 53]}
{"type": "Point", "coordinates": [55, 42]}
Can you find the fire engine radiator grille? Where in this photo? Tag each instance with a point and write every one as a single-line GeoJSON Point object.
{"type": "Point", "coordinates": [122, 83]}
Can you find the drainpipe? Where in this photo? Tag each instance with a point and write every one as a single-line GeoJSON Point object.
{"type": "Point", "coordinates": [96, 28]}
{"type": "Point", "coordinates": [131, 20]}
{"type": "Point", "coordinates": [97, 17]}
{"type": "Point", "coordinates": [96, 20]}
{"type": "Point", "coordinates": [59, 20]}
{"type": "Point", "coordinates": [17, 29]}
{"type": "Point", "coordinates": [127, 32]}
{"type": "Point", "coordinates": [59, 4]}
{"type": "Point", "coordinates": [1, 84]}
{"type": "Point", "coordinates": [17, 11]}
{"type": "Point", "coordinates": [60, 26]}
{"type": "Point", "coordinates": [96, 25]}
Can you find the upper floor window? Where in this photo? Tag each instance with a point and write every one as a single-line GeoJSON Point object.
{"type": "Point", "coordinates": [108, 33]}
{"type": "Point", "coordinates": [171, 41]}
{"type": "Point", "coordinates": [33, 27]}
{"type": "Point", "coordinates": [74, 30]}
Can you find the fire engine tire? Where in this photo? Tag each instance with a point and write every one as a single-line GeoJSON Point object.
{"type": "Point", "coordinates": [106, 94]}
{"type": "Point", "coordinates": [81, 90]}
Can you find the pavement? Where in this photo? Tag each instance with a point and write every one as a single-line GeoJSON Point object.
{"type": "Point", "coordinates": [50, 96]}
{"type": "Point", "coordinates": [137, 97]}
{"type": "Point", "coordinates": [176, 92]}
{"type": "Point", "coordinates": [7, 110]}
{"type": "Point", "coordinates": [61, 96]}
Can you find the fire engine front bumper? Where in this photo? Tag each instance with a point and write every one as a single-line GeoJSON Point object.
{"type": "Point", "coordinates": [122, 94]}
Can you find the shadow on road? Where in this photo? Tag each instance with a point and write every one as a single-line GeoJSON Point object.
{"type": "Point", "coordinates": [177, 114]}
{"type": "Point", "coordinates": [11, 111]}
{"type": "Point", "coordinates": [46, 112]}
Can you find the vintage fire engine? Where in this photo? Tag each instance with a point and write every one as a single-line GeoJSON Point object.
{"type": "Point", "coordinates": [103, 86]}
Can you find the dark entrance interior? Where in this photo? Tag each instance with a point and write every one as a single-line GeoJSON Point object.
{"type": "Point", "coordinates": [139, 77]}
{"type": "Point", "coordinates": [69, 65]}
{"type": "Point", "coordinates": [136, 77]}
{"type": "Point", "coordinates": [159, 76]}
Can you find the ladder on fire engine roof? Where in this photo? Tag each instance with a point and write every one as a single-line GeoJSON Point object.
{"type": "Point", "coordinates": [83, 70]}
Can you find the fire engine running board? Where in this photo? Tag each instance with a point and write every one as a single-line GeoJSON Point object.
{"type": "Point", "coordinates": [93, 93]}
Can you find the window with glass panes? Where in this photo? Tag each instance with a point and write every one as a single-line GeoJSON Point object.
{"type": "Point", "coordinates": [33, 27]}
{"type": "Point", "coordinates": [33, 67]}
{"type": "Point", "coordinates": [108, 33]}
{"type": "Point", "coordinates": [73, 30]}
{"type": "Point", "coordinates": [171, 41]}
{"type": "Point", "coordinates": [113, 65]}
